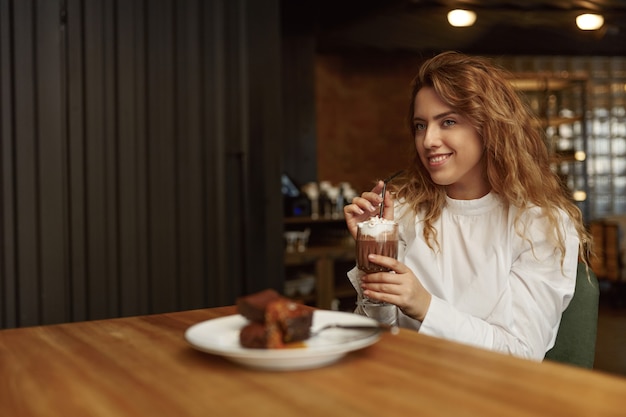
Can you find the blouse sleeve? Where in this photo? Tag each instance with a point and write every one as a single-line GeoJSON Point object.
{"type": "Point", "coordinates": [525, 320]}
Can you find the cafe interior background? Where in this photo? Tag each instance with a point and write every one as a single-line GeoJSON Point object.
{"type": "Point", "coordinates": [167, 155]}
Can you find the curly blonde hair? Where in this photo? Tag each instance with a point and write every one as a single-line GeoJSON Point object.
{"type": "Point", "coordinates": [517, 159]}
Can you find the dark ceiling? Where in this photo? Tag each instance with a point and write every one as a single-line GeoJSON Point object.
{"type": "Point", "coordinates": [513, 27]}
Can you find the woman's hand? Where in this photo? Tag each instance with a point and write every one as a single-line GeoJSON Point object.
{"type": "Point", "coordinates": [401, 288]}
{"type": "Point", "coordinates": [366, 206]}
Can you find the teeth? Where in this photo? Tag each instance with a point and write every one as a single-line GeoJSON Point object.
{"type": "Point", "coordinates": [438, 158]}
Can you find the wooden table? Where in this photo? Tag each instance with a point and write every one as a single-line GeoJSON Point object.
{"type": "Point", "coordinates": [142, 366]}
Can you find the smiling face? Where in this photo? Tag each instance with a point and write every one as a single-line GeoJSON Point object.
{"type": "Point", "coordinates": [449, 147]}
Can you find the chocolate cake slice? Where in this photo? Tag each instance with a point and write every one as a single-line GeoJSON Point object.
{"type": "Point", "coordinates": [274, 320]}
{"type": "Point", "coordinates": [253, 306]}
{"type": "Point", "coordinates": [259, 336]}
{"type": "Point", "coordinates": [293, 320]}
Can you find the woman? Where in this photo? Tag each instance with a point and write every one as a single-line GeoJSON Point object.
{"type": "Point", "coordinates": [490, 239]}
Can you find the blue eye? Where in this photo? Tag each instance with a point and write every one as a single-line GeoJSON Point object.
{"type": "Point", "coordinates": [420, 126]}
{"type": "Point", "coordinates": [449, 122]}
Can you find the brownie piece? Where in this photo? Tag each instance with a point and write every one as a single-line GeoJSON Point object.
{"type": "Point", "coordinates": [253, 306]}
{"type": "Point", "coordinates": [258, 336]}
{"type": "Point", "coordinates": [273, 320]}
{"type": "Point", "coordinates": [291, 319]}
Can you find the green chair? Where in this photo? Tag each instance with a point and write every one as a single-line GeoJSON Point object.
{"type": "Point", "coordinates": [576, 340]}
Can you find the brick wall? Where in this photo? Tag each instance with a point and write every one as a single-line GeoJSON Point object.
{"type": "Point", "coordinates": [362, 106]}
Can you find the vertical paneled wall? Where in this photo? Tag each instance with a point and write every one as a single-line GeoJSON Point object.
{"type": "Point", "coordinates": [298, 79]}
{"type": "Point", "coordinates": [138, 153]}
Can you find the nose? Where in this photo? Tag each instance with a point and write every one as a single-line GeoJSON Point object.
{"type": "Point", "coordinates": [431, 137]}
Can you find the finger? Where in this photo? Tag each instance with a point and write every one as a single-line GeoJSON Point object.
{"type": "Point", "coordinates": [383, 288]}
{"type": "Point", "coordinates": [373, 295]}
{"type": "Point", "coordinates": [381, 293]}
{"type": "Point", "coordinates": [381, 277]}
{"type": "Point", "coordinates": [353, 209]}
{"type": "Point", "coordinates": [388, 206]}
{"type": "Point", "coordinates": [374, 198]}
{"type": "Point", "coordinates": [366, 204]}
{"type": "Point", "coordinates": [387, 262]}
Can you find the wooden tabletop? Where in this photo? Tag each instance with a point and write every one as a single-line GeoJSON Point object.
{"type": "Point", "coordinates": [142, 366]}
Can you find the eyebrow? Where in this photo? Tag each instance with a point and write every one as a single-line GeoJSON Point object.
{"type": "Point", "coordinates": [439, 116]}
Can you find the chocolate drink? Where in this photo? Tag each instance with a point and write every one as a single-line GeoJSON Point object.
{"type": "Point", "coordinates": [370, 245]}
{"type": "Point", "coordinates": [377, 236]}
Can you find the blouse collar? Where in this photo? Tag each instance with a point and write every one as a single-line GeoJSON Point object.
{"type": "Point", "coordinates": [473, 207]}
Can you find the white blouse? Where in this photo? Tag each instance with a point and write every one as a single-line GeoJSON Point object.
{"type": "Point", "coordinates": [490, 287]}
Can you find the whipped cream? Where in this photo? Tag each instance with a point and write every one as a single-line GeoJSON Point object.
{"type": "Point", "coordinates": [375, 226]}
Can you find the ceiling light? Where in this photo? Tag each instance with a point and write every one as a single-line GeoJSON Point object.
{"type": "Point", "coordinates": [461, 18]}
{"type": "Point", "coordinates": [579, 195]}
{"type": "Point", "coordinates": [589, 21]}
{"type": "Point", "coordinates": [580, 155]}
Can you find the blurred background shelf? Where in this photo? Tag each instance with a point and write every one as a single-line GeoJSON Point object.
{"type": "Point", "coordinates": [560, 102]}
{"type": "Point", "coordinates": [327, 257]}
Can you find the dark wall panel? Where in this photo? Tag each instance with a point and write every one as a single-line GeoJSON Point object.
{"type": "Point", "coordinates": [191, 180]}
{"type": "Point", "coordinates": [97, 139]}
{"type": "Point", "coordinates": [139, 171]}
{"type": "Point", "coordinates": [8, 256]}
{"type": "Point", "coordinates": [300, 131]}
{"type": "Point", "coordinates": [24, 148]}
{"type": "Point", "coordinates": [72, 27]}
{"type": "Point", "coordinates": [50, 163]}
{"type": "Point", "coordinates": [131, 158]}
{"type": "Point", "coordinates": [161, 151]}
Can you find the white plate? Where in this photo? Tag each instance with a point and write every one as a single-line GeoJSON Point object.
{"type": "Point", "coordinates": [221, 337]}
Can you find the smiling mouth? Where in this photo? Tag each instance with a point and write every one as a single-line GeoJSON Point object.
{"type": "Point", "coordinates": [438, 159]}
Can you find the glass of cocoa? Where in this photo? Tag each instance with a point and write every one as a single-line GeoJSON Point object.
{"type": "Point", "coordinates": [377, 236]}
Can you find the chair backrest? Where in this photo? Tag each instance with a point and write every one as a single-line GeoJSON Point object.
{"type": "Point", "coordinates": [576, 340]}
